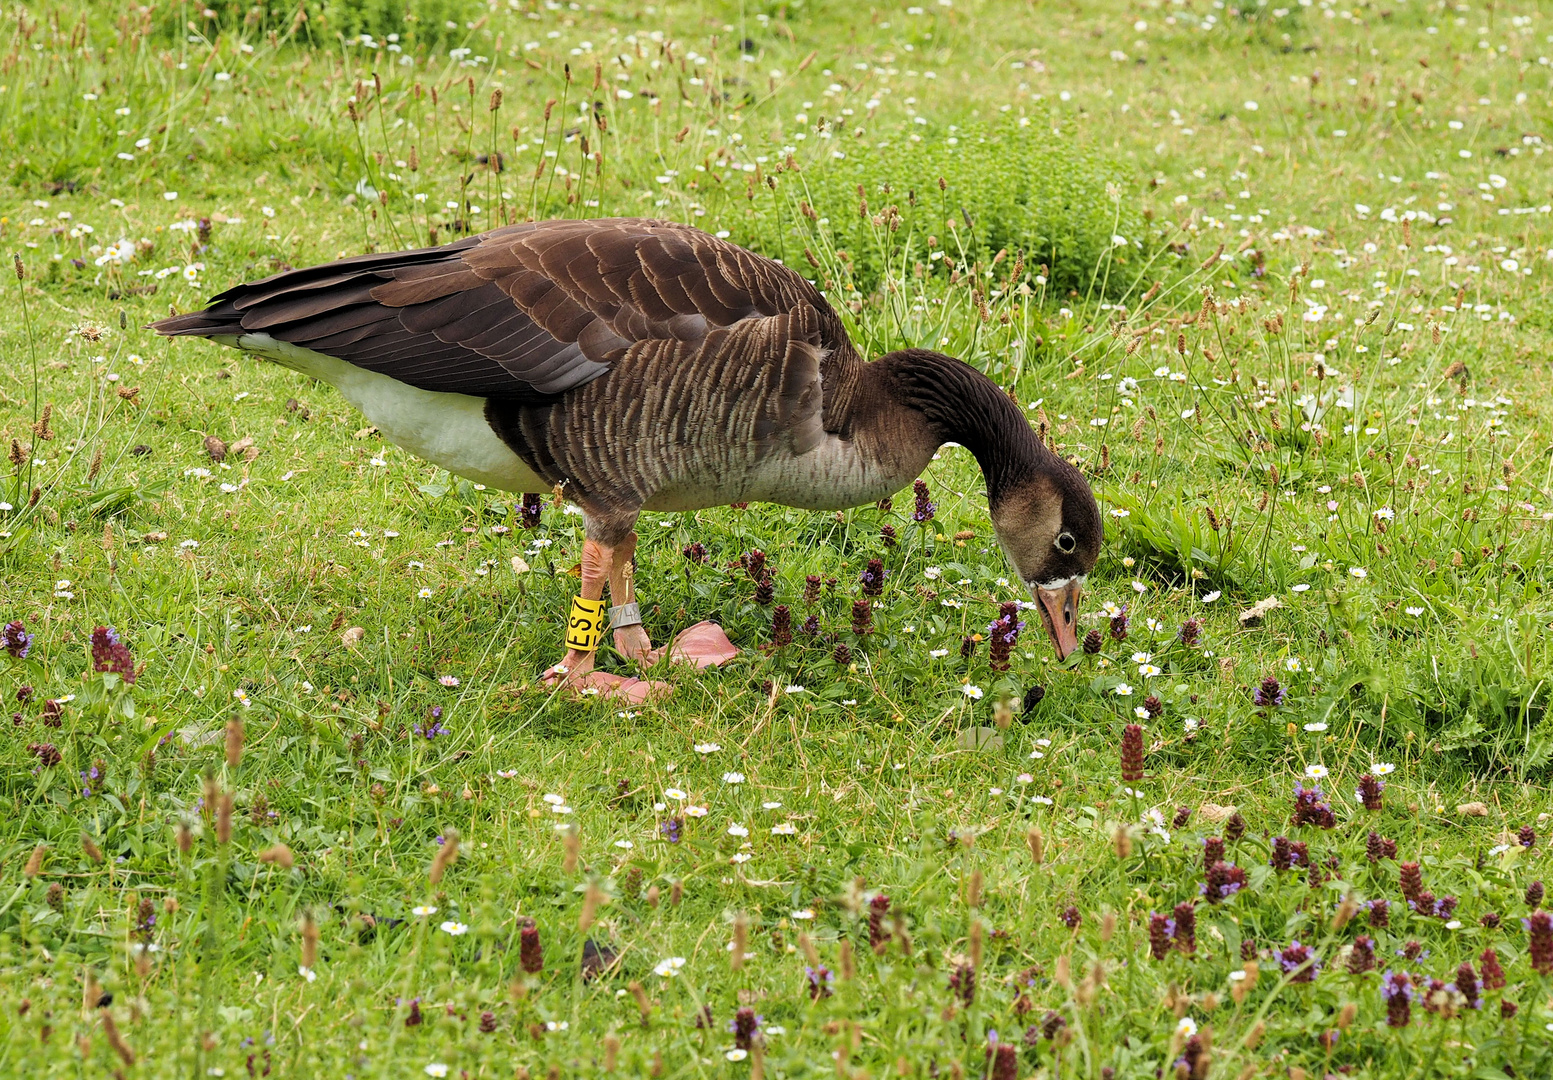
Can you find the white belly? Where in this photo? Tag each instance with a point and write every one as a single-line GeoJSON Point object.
{"type": "Point", "coordinates": [831, 476]}
{"type": "Point", "coordinates": [449, 430]}
{"type": "Point", "coordinates": [834, 475]}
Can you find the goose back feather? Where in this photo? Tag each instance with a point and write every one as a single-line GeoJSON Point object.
{"type": "Point", "coordinates": [524, 313]}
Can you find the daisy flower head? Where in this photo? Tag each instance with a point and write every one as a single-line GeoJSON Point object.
{"type": "Point", "coordinates": [1383, 768]}
{"type": "Point", "coordinates": [670, 967]}
{"type": "Point", "coordinates": [1317, 772]}
{"type": "Point", "coordinates": [972, 692]}
{"type": "Point", "coordinates": [454, 928]}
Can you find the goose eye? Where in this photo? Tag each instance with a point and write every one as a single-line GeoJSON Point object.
{"type": "Point", "coordinates": [1066, 543]}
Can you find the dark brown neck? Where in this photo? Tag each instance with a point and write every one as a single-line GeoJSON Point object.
{"type": "Point", "coordinates": [962, 405]}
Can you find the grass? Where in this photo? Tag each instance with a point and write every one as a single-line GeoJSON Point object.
{"type": "Point", "coordinates": [1283, 293]}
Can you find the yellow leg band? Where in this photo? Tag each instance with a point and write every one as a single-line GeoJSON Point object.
{"type": "Point", "coordinates": [585, 627]}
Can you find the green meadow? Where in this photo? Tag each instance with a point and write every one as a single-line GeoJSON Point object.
{"type": "Point", "coordinates": [282, 793]}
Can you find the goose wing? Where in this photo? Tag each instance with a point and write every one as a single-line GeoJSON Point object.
{"type": "Point", "coordinates": [524, 313]}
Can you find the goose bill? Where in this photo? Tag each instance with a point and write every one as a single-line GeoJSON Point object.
{"type": "Point", "coordinates": [1059, 611]}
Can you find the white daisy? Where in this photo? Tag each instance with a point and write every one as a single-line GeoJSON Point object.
{"type": "Point", "coordinates": [670, 967]}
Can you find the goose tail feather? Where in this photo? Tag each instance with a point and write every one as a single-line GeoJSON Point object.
{"type": "Point", "coordinates": [217, 319]}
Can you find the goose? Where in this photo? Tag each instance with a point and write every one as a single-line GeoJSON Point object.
{"type": "Point", "coordinates": [647, 365]}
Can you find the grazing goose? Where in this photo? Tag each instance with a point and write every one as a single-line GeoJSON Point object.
{"type": "Point", "coordinates": [648, 365]}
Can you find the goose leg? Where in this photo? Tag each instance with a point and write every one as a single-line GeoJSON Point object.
{"type": "Point", "coordinates": [596, 563]}
{"type": "Point", "coordinates": [631, 640]}
{"type": "Point", "coordinates": [703, 645]}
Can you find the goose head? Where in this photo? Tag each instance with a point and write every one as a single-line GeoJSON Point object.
{"type": "Point", "coordinates": [1050, 530]}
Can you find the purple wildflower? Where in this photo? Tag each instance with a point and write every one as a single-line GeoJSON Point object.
{"type": "Point", "coordinates": [1224, 880]}
{"type": "Point", "coordinates": [15, 639]}
{"type": "Point", "coordinates": [1311, 808]}
{"type": "Point", "coordinates": [529, 512]}
{"type": "Point", "coordinates": [1370, 791]}
{"type": "Point", "coordinates": [925, 508]}
{"type": "Point", "coordinates": [433, 726]}
{"type": "Point", "coordinates": [1269, 693]}
{"type": "Point", "coordinates": [745, 1025]}
{"type": "Point", "coordinates": [872, 578]}
{"type": "Point", "coordinates": [1295, 957]}
{"type": "Point", "coordinates": [1396, 989]}
{"type": "Point", "coordinates": [112, 656]}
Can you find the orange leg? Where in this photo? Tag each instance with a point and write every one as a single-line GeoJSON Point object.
{"type": "Point", "coordinates": [632, 641]}
{"type": "Point", "coordinates": [596, 561]}
{"type": "Point", "coordinates": [610, 565]}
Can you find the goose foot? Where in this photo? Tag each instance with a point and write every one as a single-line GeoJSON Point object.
{"type": "Point", "coordinates": [633, 643]}
{"type": "Point", "coordinates": [703, 645]}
